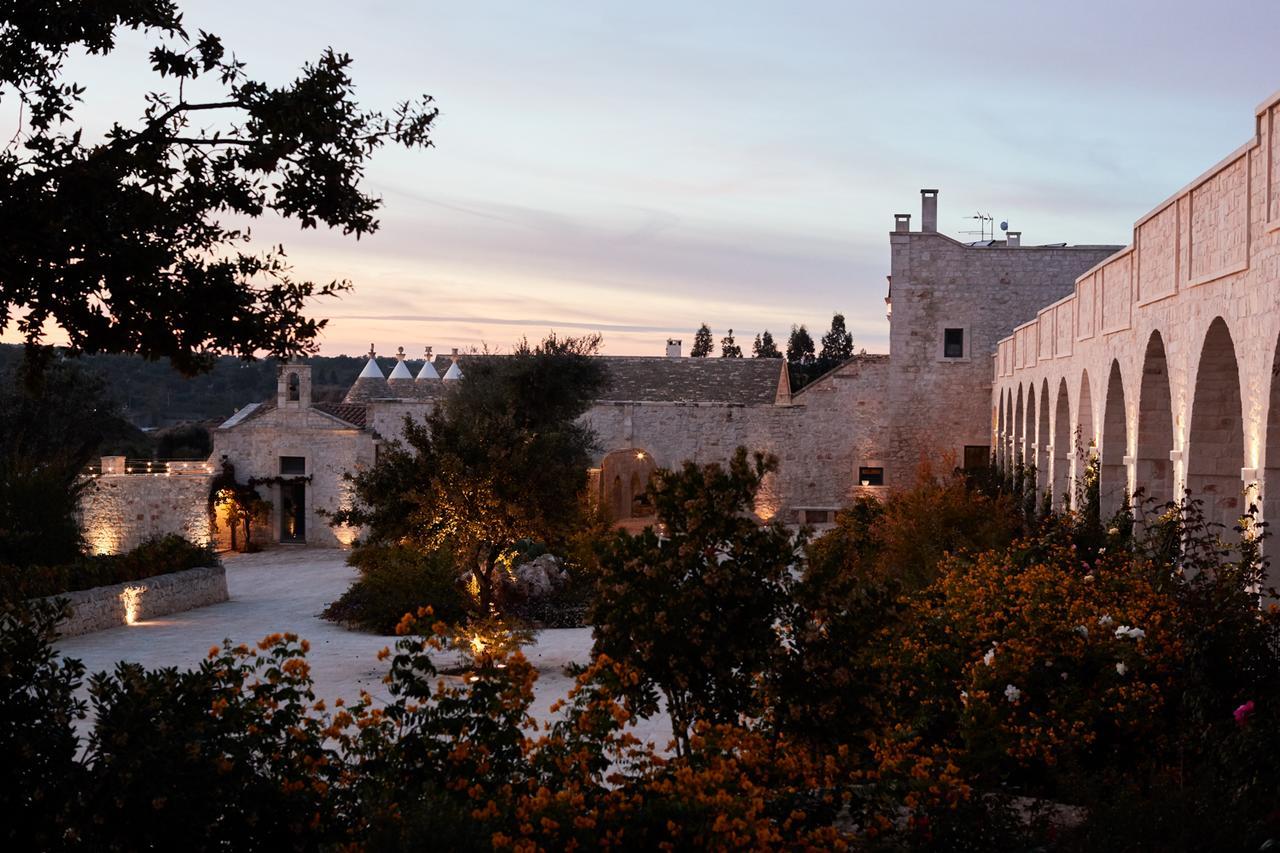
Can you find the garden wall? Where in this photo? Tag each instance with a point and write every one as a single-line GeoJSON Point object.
{"type": "Point", "coordinates": [120, 511]}
{"type": "Point", "coordinates": [133, 601]}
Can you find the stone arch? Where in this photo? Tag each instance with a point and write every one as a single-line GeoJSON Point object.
{"type": "Point", "coordinates": [1271, 449]}
{"type": "Point", "coordinates": [1008, 431]}
{"type": "Point", "coordinates": [1029, 445]}
{"type": "Point", "coordinates": [625, 474]}
{"type": "Point", "coordinates": [1215, 447]}
{"type": "Point", "coordinates": [997, 443]}
{"type": "Point", "coordinates": [1154, 471]}
{"type": "Point", "coordinates": [1113, 472]}
{"type": "Point", "coordinates": [294, 388]}
{"type": "Point", "coordinates": [1063, 440]}
{"type": "Point", "coordinates": [1084, 440]}
{"type": "Point", "coordinates": [1019, 426]}
{"type": "Point", "coordinates": [1044, 476]}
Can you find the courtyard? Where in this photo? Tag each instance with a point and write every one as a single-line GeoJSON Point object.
{"type": "Point", "coordinates": [285, 590]}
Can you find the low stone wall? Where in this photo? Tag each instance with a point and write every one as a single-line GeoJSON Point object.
{"type": "Point", "coordinates": [125, 603]}
{"type": "Point", "coordinates": [120, 511]}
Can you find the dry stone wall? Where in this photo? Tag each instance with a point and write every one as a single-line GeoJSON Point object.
{"type": "Point", "coordinates": [120, 511]}
{"type": "Point", "coordinates": [135, 601]}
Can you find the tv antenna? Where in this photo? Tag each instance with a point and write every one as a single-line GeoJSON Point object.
{"type": "Point", "coordinates": [986, 226]}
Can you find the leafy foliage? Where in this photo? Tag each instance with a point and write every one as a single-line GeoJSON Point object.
{"type": "Point", "coordinates": [501, 460]}
{"type": "Point", "coordinates": [399, 579]}
{"type": "Point", "coordinates": [837, 343]}
{"type": "Point", "coordinates": [48, 433]}
{"type": "Point", "coordinates": [694, 611]}
{"type": "Point", "coordinates": [764, 346]}
{"type": "Point", "coordinates": [800, 346]}
{"type": "Point", "coordinates": [729, 347]}
{"type": "Point", "coordinates": [122, 242]}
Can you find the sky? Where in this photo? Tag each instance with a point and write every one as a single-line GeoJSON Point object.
{"type": "Point", "coordinates": [640, 168]}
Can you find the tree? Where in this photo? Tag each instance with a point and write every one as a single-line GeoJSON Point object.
{"type": "Point", "coordinates": [702, 342]}
{"type": "Point", "coordinates": [48, 434]}
{"type": "Point", "coordinates": [800, 346]}
{"type": "Point", "coordinates": [124, 242]}
{"type": "Point", "coordinates": [502, 459]}
{"type": "Point", "coordinates": [764, 347]}
{"type": "Point", "coordinates": [694, 611]}
{"type": "Point", "coordinates": [729, 348]}
{"type": "Point", "coordinates": [837, 343]}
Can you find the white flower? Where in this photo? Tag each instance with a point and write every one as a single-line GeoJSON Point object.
{"type": "Point", "coordinates": [1064, 676]}
{"type": "Point", "coordinates": [964, 697]}
{"type": "Point", "coordinates": [1082, 631]}
{"type": "Point", "coordinates": [1012, 693]}
{"type": "Point", "coordinates": [1131, 633]}
{"type": "Point", "coordinates": [989, 657]}
{"type": "Point", "coordinates": [1113, 531]}
{"type": "Point", "coordinates": [1121, 669]}
{"type": "Point", "coordinates": [1088, 578]}
{"type": "Point", "coordinates": [1104, 620]}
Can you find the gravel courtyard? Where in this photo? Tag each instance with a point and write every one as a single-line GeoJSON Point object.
{"type": "Point", "coordinates": [284, 590]}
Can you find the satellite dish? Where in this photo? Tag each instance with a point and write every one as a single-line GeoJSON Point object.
{"type": "Point", "coordinates": [1004, 225]}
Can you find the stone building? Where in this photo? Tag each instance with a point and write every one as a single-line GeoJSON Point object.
{"type": "Point", "coordinates": [863, 426]}
{"type": "Point", "coordinates": [1163, 361]}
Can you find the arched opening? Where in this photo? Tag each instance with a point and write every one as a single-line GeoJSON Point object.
{"type": "Point", "coordinates": [998, 444]}
{"type": "Point", "coordinates": [295, 388]}
{"type": "Point", "coordinates": [1062, 448]}
{"type": "Point", "coordinates": [1008, 432]}
{"type": "Point", "coordinates": [1215, 447]}
{"type": "Point", "coordinates": [625, 474]}
{"type": "Point", "coordinates": [1271, 473]}
{"type": "Point", "coordinates": [1018, 427]}
{"type": "Point", "coordinates": [1154, 471]}
{"type": "Point", "coordinates": [1029, 446]}
{"type": "Point", "coordinates": [1083, 443]}
{"type": "Point", "coordinates": [1044, 474]}
{"type": "Point", "coordinates": [1113, 473]}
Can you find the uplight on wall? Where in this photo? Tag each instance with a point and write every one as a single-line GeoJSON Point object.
{"type": "Point", "coordinates": [131, 600]}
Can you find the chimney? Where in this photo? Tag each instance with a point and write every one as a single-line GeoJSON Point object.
{"type": "Point", "coordinates": [929, 211]}
{"type": "Point", "coordinates": [673, 347]}
{"type": "Point", "coordinates": [1013, 239]}
{"type": "Point", "coordinates": [901, 223]}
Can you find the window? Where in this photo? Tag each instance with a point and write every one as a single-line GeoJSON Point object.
{"type": "Point", "coordinates": [871, 476]}
{"type": "Point", "coordinates": [953, 343]}
{"type": "Point", "coordinates": [816, 516]}
{"type": "Point", "coordinates": [976, 457]}
{"type": "Point", "coordinates": [292, 466]}
{"type": "Point", "coordinates": [294, 388]}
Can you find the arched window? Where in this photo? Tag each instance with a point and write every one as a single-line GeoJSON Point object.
{"type": "Point", "coordinates": [295, 389]}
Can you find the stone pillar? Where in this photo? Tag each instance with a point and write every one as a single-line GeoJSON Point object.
{"type": "Point", "coordinates": [929, 211]}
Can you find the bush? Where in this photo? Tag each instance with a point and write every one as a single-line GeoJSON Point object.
{"type": "Point", "coordinates": [157, 556]}
{"type": "Point", "coordinates": [399, 579]}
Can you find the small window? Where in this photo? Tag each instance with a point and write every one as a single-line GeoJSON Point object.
{"type": "Point", "coordinates": [953, 343]}
{"type": "Point", "coordinates": [871, 476]}
{"type": "Point", "coordinates": [976, 457]}
{"type": "Point", "coordinates": [291, 466]}
{"type": "Point", "coordinates": [816, 516]}
{"type": "Point", "coordinates": [295, 393]}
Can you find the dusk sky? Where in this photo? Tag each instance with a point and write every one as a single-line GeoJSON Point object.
{"type": "Point", "coordinates": [641, 168]}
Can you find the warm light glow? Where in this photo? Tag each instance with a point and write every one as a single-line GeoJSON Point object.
{"type": "Point", "coordinates": [131, 598]}
{"type": "Point", "coordinates": [640, 454]}
{"type": "Point", "coordinates": [478, 644]}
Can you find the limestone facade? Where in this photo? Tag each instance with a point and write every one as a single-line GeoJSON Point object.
{"type": "Point", "coordinates": [122, 509]}
{"type": "Point", "coordinates": [1162, 360]}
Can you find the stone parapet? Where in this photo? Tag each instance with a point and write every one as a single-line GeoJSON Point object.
{"type": "Point", "coordinates": [134, 601]}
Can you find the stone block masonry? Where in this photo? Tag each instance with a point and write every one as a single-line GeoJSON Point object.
{"type": "Point", "coordinates": [120, 511]}
{"type": "Point", "coordinates": [134, 601]}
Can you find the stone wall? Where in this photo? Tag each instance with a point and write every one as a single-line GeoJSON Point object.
{"type": "Point", "coordinates": [941, 405]}
{"type": "Point", "coordinates": [119, 511]}
{"type": "Point", "coordinates": [135, 601]}
{"type": "Point", "coordinates": [1165, 356]}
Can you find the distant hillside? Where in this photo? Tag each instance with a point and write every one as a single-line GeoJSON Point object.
{"type": "Point", "coordinates": [154, 395]}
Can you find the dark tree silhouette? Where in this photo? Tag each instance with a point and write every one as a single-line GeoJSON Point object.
{"type": "Point", "coordinates": [124, 242]}
{"type": "Point", "coordinates": [764, 347]}
{"type": "Point", "coordinates": [729, 347]}
{"type": "Point", "coordinates": [837, 343]}
{"type": "Point", "coordinates": [702, 342]}
{"type": "Point", "coordinates": [800, 346]}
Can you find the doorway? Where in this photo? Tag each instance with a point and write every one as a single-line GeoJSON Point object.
{"type": "Point", "coordinates": [293, 512]}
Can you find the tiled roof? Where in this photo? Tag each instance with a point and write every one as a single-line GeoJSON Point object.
{"type": "Point", "coordinates": [651, 379]}
{"type": "Point", "coordinates": [352, 413]}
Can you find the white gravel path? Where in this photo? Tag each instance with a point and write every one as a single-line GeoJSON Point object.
{"type": "Point", "coordinates": [285, 590]}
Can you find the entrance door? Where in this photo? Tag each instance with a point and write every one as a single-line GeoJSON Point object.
{"type": "Point", "coordinates": [293, 512]}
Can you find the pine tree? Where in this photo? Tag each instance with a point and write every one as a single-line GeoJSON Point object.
{"type": "Point", "coordinates": [764, 347]}
{"type": "Point", "coordinates": [800, 346]}
{"type": "Point", "coordinates": [729, 347]}
{"type": "Point", "coordinates": [702, 342]}
{"type": "Point", "coordinates": [837, 343]}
